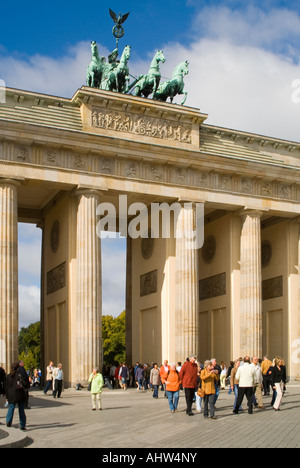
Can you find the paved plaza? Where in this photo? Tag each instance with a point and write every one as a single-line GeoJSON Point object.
{"type": "Point", "coordinates": [133, 419]}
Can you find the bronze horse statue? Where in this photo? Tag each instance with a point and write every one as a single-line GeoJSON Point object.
{"type": "Point", "coordinates": [169, 89]}
{"type": "Point", "coordinates": [148, 84]}
{"type": "Point", "coordinates": [96, 67]}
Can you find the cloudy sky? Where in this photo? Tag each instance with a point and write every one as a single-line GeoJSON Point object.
{"type": "Point", "coordinates": [244, 73]}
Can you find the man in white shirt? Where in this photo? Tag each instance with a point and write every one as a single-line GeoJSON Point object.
{"type": "Point", "coordinates": [247, 378]}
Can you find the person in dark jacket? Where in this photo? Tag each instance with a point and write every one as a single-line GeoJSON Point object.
{"type": "Point", "coordinates": [278, 380]}
{"type": "Point", "coordinates": [2, 383]}
{"type": "Point", "coordinates": [15, 393]}
{"type": "Point", "coordinates": [188, 376]}
{"type": "Point", "coordinates": [26, 379]}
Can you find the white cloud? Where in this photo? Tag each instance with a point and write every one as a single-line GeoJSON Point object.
{"type": "Point", "coordinates": [29, 305]}
{"type": "Point", "coordinates": [29, 254]}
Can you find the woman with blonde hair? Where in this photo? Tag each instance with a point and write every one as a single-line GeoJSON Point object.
{"type": "Point", "coordinates": [278, 382]}
{"type": "Point", "coordinates": [209, 376]}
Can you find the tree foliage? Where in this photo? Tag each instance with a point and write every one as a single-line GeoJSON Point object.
{"type": "Point", "coordinates": [30, 346]}
{"type": "Point", "coordinates": [113, 336]}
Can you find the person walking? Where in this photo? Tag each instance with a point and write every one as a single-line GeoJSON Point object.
{"type": "Point", "coordinates": [188, 376]}
{"type": "Point", "coordinates": [217, 383]}
{"type": "Point", "coordinates": [163, 370]}
{"type": "Point", "coordinates": [2, 384]}
{"type": "Point", "coordinates": [25, 378]}
{"type": "Point", "coordinates": [139, 376]}
{"type": "Point", "coordinates": [265, 366]}
{"type": "Point", "coordinates": [199, 400]}
{"type": "Point", "coordinates": [172, 381]}
{"type": "Point", "coordinates": [155, 379]}
{"type": "Point", "coordinates": [49, 377]}
{"type": "Point", "coordinates": [97, 382]}
{"type": "Point", "coordinates": [278, 382]}
{"type": "Point", "coordinates": [15, 390]}
{"type": "Point", "coordinates": [124, 374]}
{"type": "Point", "coordinates": [246, 377]}
{"type": "Point", "coordinates": [223, 375]}
{"type": "Point", "coordinates": [234, 382]}
{"type": "Point", "coordinates": [209, 376]}
{"type": "Point", "coordinates": [258, 382]}
{"type": "Point", "coordinates": [58, 378]}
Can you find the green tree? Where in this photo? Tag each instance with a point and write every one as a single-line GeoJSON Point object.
{"type": "Point", "coordinates": [30, 346]}
{"type": "Point", "coordinates": [113, 336]}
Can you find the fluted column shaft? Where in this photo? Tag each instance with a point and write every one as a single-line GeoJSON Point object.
{"type": "Point", "coordinates": [186, 308]}
{"type": "Point", "coordinates": [251, 285]}
{"type": "Point", "coordinates": [8, 273]}
{"type": "Point", "coordinates": [89, 287]}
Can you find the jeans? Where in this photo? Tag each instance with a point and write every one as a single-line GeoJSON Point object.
{"type": "Point", "coordinates": [198, 402]}
{"type": "Point", "coordinates": [22, 415]}
{"type": "Point", "coordinates": [140, 382]}
{"type": "Point", "coordinates": [216, 396]}
{"type": "Point", "coordinates": [173, 398]}
{"type": "Point", "coordinates": [209, 400]}
{"type": "Point", "coordinates": [236, 392]}
{"type": "Point", "coordinates": [48, 386]}
{"type": "Point", "coordinates": [155, 391]}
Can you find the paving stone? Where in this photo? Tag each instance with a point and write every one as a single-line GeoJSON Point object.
{"type": "Point", "coordinates": [132, 419]}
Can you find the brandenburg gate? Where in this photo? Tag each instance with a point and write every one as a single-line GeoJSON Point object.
{"type": "Point", "coordinates": [238, 294]}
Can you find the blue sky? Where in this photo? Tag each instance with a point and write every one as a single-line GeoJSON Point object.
{"type": "Point", "coordinates": [244, 59]}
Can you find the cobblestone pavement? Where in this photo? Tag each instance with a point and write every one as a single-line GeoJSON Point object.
{"type": "Point", "coordinates": [133, 419]}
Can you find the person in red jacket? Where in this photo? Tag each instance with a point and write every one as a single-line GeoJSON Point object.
{"type": "Point", "coordinates": [188, 376]}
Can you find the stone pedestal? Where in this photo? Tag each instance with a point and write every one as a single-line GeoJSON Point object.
{"type": "Point", "coordinates": [186, 288]}
{"type": "Point", "coordinates": [8, 273]}
{"type": "Point", "coordinates": [89, 287]}
{"type": "Point", "coordinates": [251, 286]}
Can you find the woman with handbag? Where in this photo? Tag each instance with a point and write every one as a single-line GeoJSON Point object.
{"type": "Point", "coordinates": [208, 377]}
{"type": "Point", "coordinates": [15, 390]}
{"type": "Point", "coordinates": [96, 383]}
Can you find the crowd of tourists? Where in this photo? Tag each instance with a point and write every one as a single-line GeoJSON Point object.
{"type": "Point", "coordinates": [201, 383]}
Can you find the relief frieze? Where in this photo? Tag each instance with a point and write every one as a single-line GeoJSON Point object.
{"type": "Point", "coordinates": [141, 125]}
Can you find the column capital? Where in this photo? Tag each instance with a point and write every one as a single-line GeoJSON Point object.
{"type": "Point", "coordinates": [13, 182]}
{"type": "Point", "coordinates": [250, 212]}
{"type": "Point", "coordinates": [88, 191]}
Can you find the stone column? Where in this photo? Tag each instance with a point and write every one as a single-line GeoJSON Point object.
{"type": "Point", "coordinates": [186, 287]}
{"type": "Point", "coordinates": [8, 273]}
{"type": "Point", "coordinates": [251, 285]}
{"type": "Point", "coordinates": [89, 287]}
